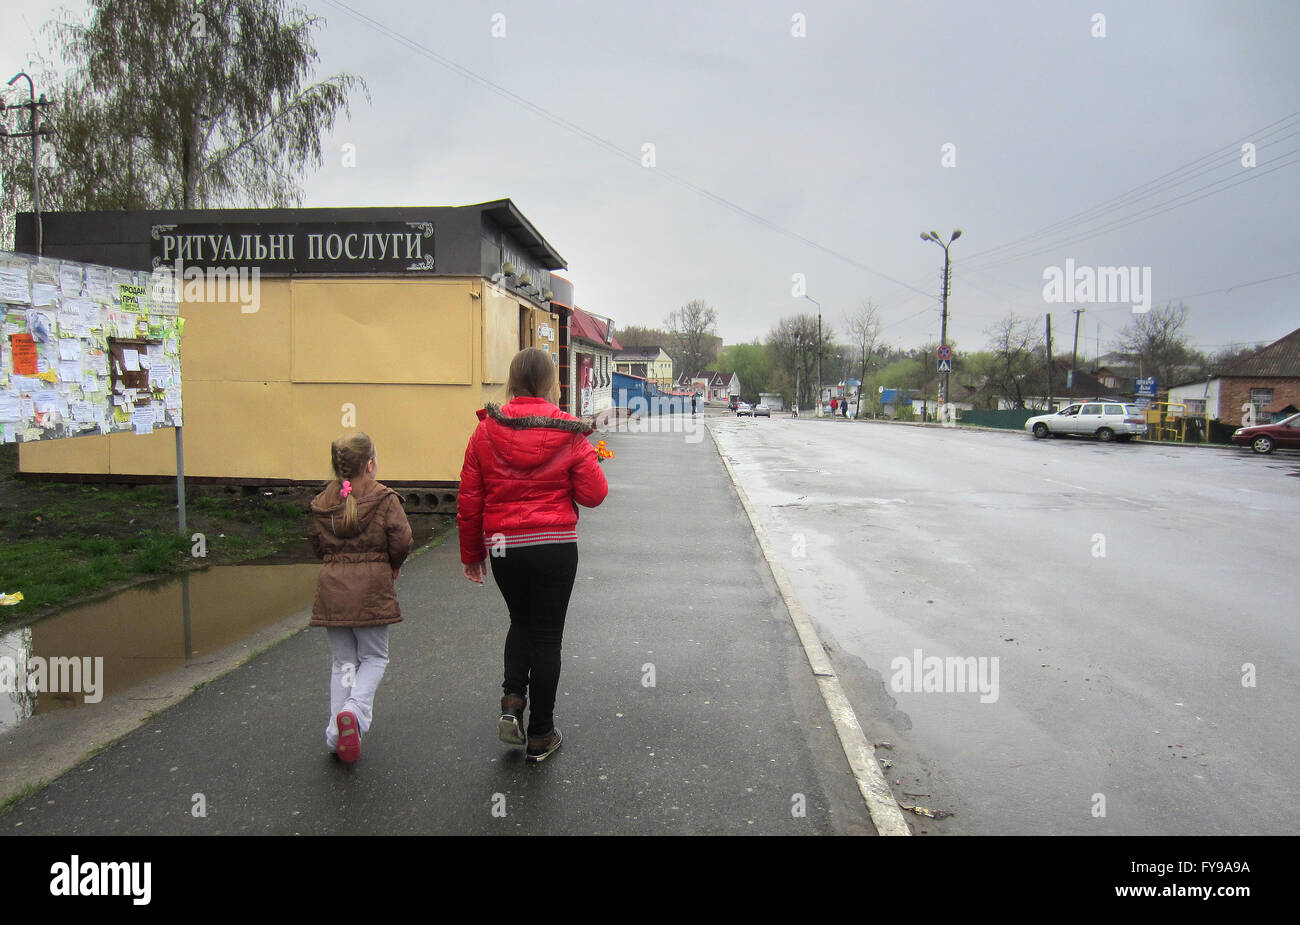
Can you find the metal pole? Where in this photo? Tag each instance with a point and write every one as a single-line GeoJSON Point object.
{"type": "Point", "coordinates": [819, 355]}
{"type": "Point", "coordinates": [180, 480]}
{"type": "Point", "coordinates": [817, 400]}
{"type": "Point", "coordinates": [180, 517]}
{"type": "Point", "coordinates": [34, 106]}
{"type": "Point", "coordinates": [943, 336]}
{"type": "Point", "coordinates": [36, 185]}
{"type": "Point", "coordinates": [1074, 353]}
{"type": "Point", "coordinates": [1049, 361]}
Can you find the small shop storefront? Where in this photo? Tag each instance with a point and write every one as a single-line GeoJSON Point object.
{"type": "Point", "coordinates": [593, 348]}
{"type": "Point", "coordinates": [302, 324]}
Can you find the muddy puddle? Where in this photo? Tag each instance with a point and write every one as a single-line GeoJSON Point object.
{"type": "Point", "coordinates": [87, 653]}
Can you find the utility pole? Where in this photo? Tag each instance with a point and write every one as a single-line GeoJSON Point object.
{"type": "Point", "coordinates": [1074, 353]}
{"type": "Point", "coordinates": [38, 128]}
{"type": "Point", "coordinates": [1049, 361]}
{"type": "Point", "coordinates": [947, 279]}
{"type": "Point", "coordinates": [817, 403]}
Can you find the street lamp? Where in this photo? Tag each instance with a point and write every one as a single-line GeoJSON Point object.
{"type": "Point", "coordinates": [38, 128]}
{"type": "Point", "coordinates": [947, 281]}
{"type": "Point", "coordinates": [819, 349]}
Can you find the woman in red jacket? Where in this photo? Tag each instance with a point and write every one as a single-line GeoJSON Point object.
{"type": "Point", "coordinates": [527, 468]}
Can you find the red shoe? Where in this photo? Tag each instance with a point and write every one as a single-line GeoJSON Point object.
{"type": "Point", "coordinates": [349, 747]}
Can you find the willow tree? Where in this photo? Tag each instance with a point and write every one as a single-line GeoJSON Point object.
{"type": "Point", "coordinates": [185, 104]}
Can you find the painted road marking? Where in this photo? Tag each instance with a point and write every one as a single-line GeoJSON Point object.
{"type": "Point", "coordinates": [886, 814]}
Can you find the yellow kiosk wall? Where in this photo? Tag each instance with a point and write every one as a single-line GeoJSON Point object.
{"type": "Point", "coordinates": [265, 392]}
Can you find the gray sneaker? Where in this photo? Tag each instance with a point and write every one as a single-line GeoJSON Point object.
{"type": "Point", "coordinates": [510, 727]}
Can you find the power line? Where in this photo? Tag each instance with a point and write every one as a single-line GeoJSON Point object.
{"type": "Point", "coordinates": [1150, 212]}
{"type": "Point", "coordinates": [604, 143]}
{"type": "Point", "coordinates": [1115, 202]}
{"type": "Point", "coordinates": [1124, 200]}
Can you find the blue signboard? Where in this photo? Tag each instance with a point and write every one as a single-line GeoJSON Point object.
{"type": "Point", "coordinates": [1146, 388]}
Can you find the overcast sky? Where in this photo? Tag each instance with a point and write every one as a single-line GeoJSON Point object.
{"type": "Point", "coordinates": [837, 138]}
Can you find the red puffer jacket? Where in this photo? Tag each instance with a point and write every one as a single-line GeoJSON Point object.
{"type": "Point", "coordinates": [527, 468]}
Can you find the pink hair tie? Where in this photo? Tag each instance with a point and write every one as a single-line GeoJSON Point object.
{"type": "Point", "coordinates": [346, 489]}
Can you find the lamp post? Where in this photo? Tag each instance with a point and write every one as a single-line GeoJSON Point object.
{"type": "Point", "coordinates": [34, 133]}
{"type": "Point", "coordinates": [947, 280]}
{"type": "Point", "coordinates": [819, 349]}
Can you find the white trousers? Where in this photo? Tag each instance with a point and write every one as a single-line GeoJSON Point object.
{"type": "Point", "coordinates": [360, 657]}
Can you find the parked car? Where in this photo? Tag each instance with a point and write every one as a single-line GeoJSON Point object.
{"type": "Point", "coordinates": [743, 408]}
{"type": "Point", "coordinates": [1105, 420]}
{"type": "Point", "coordinates": [1264, 438]}
{"type": "Point", "coordinates": [762, 411]}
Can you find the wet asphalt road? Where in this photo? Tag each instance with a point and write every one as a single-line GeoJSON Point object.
{"type": "Point", "coordinates": [1121, 587]}
{"type": "Point", "coordinates": [730, 738]}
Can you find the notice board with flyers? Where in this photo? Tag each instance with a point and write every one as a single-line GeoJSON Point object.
{"type": "Point", "coordinates": [86, 349]}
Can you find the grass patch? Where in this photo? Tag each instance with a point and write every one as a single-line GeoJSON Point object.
{"type": "Point", "coordinates": [63, 541]}
{"type": "Point", "coordinates": [21, 795]}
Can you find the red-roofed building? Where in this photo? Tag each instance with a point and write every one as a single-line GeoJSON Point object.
{"type": "Point", "coordinates": [592, 343]}
{"type": "Point", "coordinates": [713, 385]}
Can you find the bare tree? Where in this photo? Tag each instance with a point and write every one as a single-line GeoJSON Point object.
{"type": "Point", "coordinates": [695, 340]}
{"type": "Point", "coordinates": [1015, 370]}
{"type": "Point", "coordinates": [864, 329]}
{"type": "Point", "coordinates": [1227, 356]}
{"type": "Point", "coordinates": [793, 344]}
{"type": "Point", "coordinates": [1156, 341]}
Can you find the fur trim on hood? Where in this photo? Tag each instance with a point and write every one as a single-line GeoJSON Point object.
{"type": "Point", "coordinates": [535, 420]}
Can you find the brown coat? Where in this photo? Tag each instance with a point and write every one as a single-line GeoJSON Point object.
{"type": "Point", "coordinates": [355, 585]}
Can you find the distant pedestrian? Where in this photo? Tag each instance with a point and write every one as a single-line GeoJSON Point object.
{"type": "Point", "coordinates": [361, 531]}
{"type": "Point", "coordinates": [527, 468]}
{"type": "Point", "coordinates": [844, 409]}
{"type": "Point", "coordinates": [835, 404]}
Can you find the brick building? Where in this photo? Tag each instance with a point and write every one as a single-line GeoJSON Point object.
{"type": "Point", "coordinates": [1267, 380]}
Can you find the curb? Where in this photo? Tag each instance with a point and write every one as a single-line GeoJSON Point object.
{"type": "Point", "coordinates": [885, 812]}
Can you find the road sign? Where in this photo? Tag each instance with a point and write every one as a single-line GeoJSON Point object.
{"type": "Point", "coordinates": [1146, 388]}
{"type": "Point", "coordinates": [944, 352]}
{"type": "Point", "coordinates": [945, 366]}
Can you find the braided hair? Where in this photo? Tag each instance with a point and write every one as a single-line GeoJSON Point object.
{"type": "Point", "coordinates": [348, 458]}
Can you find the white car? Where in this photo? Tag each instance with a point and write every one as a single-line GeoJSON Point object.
{"type": "Point", "coordinates": [762, 411]}
{"type": "Point", "coordinates": [1105, 420]}
{"type": "Point", "coordinates": [743, 408]}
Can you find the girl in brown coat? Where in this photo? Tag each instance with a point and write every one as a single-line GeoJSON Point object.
{"type": "Point", "coordinates": [361, 532]}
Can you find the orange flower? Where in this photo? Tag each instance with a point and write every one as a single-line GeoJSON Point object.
{"type": "Point", "coordinates": [602, 451]}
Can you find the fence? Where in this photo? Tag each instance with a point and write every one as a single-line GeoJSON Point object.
{"type": "Point", "coordinates": [1010, 419]}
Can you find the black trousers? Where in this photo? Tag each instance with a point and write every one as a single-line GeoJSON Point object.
{"type": "Point", "coordinates": [536, 582]}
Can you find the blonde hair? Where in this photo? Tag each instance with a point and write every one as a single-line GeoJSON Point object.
{"type": "Point", "coordinates": [532, 373]}
{"type": "Point", "coordinates": [348, 457]}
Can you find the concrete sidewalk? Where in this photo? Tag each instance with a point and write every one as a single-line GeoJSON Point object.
{"type": "Point", "coordinates": [733, 735]}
